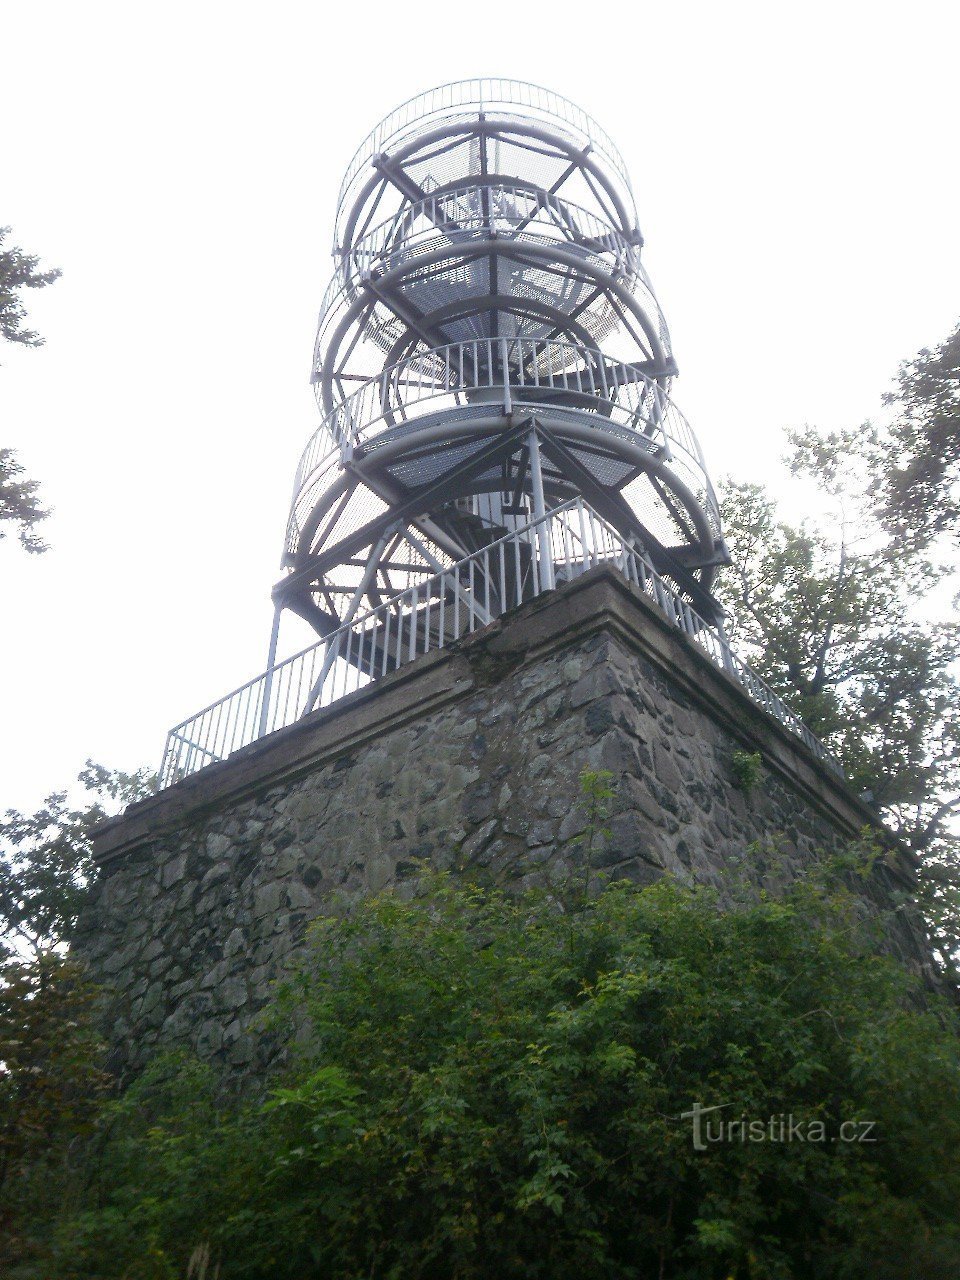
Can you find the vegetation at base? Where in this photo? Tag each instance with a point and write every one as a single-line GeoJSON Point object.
{"type": "Point", "coordinates": [480, 1085]}
{"type": "Point", "coordinates": [52, 1081]}
{"type": "Point", "coordinates": [747, 769]}
{"type": "Point", "coordinates": [52, 1091]}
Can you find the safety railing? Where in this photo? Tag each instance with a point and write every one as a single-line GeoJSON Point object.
{"type": "Point", "coordinates": [348, 294]}
{"type": "Point", "coordinates": [483, 93]}
{"type": "Point", "coordinates": [502, 207]}
{"type": "Point", "coordinates": [438, 611]}
{"type": "Point", "coordinates": [517, 368]}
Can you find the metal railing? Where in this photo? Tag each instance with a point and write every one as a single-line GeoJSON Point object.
{"type": "Point", "coordinates": [455, 218]}
{"type": "Point", "coordinates": [346, 288]}
{"type": "Point", "coordinates": [618, 392]}
{"type": "Point", "coordinates": [484, 93]}
{"type": "Point", "coordinates": [503, 207]}
{"type": "Point", "coordinates": [438, 611]}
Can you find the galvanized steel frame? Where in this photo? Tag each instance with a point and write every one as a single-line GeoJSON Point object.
{"type": "Point", "coordinates": [451, 604]}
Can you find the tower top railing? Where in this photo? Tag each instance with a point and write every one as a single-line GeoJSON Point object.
{"type": "Point", "coordinates": [485, 93]}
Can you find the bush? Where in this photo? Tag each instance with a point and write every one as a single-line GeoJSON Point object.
{"type": "Point", "coordinates": [51, 1090]}
{"type": "Point", "coordinates": [487, 1086]}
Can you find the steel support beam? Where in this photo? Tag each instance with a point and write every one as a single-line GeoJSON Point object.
{"type": "Point", "coordinates": [419, 501]}
{"type": "Point", "coordinates": [613, 507]}
{"type": "Point", "coordinates": [544, 551]}
{"type": "Point", "coordinates": [333, 644]}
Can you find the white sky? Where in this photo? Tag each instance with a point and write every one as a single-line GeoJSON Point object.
{"type": "Point", "coordinates": [796, 172]}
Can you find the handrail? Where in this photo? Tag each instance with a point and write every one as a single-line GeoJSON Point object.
{"type": "Point", "coordinates": [349, 277]}
{"type": "Point", "coordinates": [486, 206]}
{"type": "Point", "coordinates": [441, 609]}
{"type": "Point", "coordinates": [493, 213]}
{"type": "Point", "coordinates": [481, 92]}
{"type": "Point", "coordinates": [631, 398]}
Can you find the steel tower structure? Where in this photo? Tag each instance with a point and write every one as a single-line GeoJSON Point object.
{"type": "Point", "coordinates": [489, 347]}
{"type": "Point", "coordinates": [493, 372]}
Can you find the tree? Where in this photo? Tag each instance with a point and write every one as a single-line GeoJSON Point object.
{"type": "Point", "coordinates": [19, 503]}
{"type": "Point", "coordinates": [838, 616]}
{"type": "Point", "coordinates": [46, 862]}
{"type": "Point", "coordinates": [489, 1086]}
{"type": "Point", "coordinates": [828, 616]}
{"type": "Point", "coordinates": [917, 491]}
{"type": "Point", "coordinates": [51, 1076]}
{"type": "Point", "coordinates": [52, 1086]}
{"type": "Point", "coordinates": [19, 270]}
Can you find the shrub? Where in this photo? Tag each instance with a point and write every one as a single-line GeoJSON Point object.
{"type": "Point", "coordinates": [487, 1086]}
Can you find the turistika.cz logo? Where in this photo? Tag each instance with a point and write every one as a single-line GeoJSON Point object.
{"type": "Point", "coordinates": [708, 1126]}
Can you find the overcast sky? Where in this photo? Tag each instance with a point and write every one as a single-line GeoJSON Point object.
{"type": "Point", "coordinates": [797, 179]}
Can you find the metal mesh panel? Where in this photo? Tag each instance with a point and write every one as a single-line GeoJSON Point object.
{"type": "Point", "coordinates": [429, 467]}
{"type": "Point", "coordinates": [443, 165]}
{"type": "Point", "coordinates": [650, 511]}
{"type": "Point", "coordinates": [610, 472]}
{"type": "Point", "coordinates": [560, 288]}
{"type": "Point", "coordinates": [539, 164]}
{"type": "Point", "coordinates": [536, 163]}
{"type": "Point", "coordinates": [362, 507]}
{"type": "Point", "coordinates": [455, 279]}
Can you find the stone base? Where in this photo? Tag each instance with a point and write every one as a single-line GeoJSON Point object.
{"type": "Point", "coordinates": [466, 758]}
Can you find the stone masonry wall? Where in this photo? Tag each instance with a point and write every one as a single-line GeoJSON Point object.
{"type": "Point", "coordinates": [468, 758]}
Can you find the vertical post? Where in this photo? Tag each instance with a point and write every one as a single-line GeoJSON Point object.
{"type": "Point", "coordinates": [725, 647]}
{"type": "Point", "coordinates": [505, 369]}
{"type": "Point", "coordinates": [268, 675]}
{"type": "Point", "coordinates": [333, 643]}
{"type": "Point", "coordinates": [540, 511]}
{"type": "Point", "coordinates": [330, 654]}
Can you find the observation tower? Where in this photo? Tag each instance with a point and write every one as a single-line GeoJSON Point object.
{"type": "Point", "coordinates": [489, 348]}
{"type": "Point", "coordinates": [500, 526]}
{"type": "Point", "coordinates": [493, 373]}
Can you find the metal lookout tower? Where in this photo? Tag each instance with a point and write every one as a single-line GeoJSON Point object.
{"type": "Point", "coordinates": [489, 349]}
{"type": "Point", "coordinates": [493, 373]}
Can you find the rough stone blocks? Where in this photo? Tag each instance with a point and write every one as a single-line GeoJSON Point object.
{"type": "Point", "coordinates": [467, 759]}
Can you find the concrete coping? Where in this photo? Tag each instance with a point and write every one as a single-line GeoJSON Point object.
{"type": "Point", "coordinates": [601, 600]}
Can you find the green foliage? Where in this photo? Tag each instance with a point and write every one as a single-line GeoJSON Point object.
{"type": "Point", "coordinates": [838, 616]}
{"type": "Point", "coordinates": [51, 1088]}
{"type": "Point", "coordinates": [488, 1086]}
{"type": "Point", "coordinates": [51, 1077]}
{"type": "Point", "coordinates": [918, 492]}
{"type": "Point", "coordinates": [19, 270]}
{"type": "Point", "coordinates": [596, 801]}
{"type": "Point", "coordinates": [826, 616]}
{"type": "Point", "coordinates": [19, 504]}
{"type": "Point", "coordinates": [747, 769]}
{"type": "Point", "coordinates": [45, 860]}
